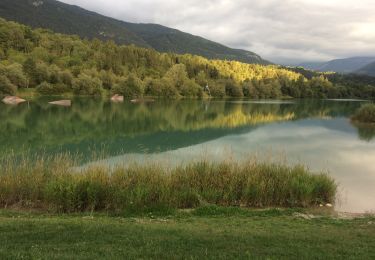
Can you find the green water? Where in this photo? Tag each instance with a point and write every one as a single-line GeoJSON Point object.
{"type": "Point", "coordinates": [315, 132]}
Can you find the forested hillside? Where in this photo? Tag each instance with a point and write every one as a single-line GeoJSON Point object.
{"type": "Point", "coordinates": [56, 64]}
{"type": "Point", "coordinates": [69, 19]}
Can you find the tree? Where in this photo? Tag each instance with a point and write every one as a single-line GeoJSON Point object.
{"type": "Point", "coordinates": [108, 78]}
{"type": "Point", "coordinates": [86, 85]}
{"type": "Point", "coordinates": [232, 89]}
{"type": "Point", "coordinates": [6, 87]}
{"type": "Point", "coordinates": [177, 75]}
{"type": "Point", "coordinates": [191, 89]}
{"type": "Point", "coordinates": [130, 87]}
{"type": "Point", "coordinates": [201, 79]}
{"type": "Point", "coordinates": [29, 67]}
{"type": "Point", "coordinates": [217, 89]}
{"type": "Point", "coordinates": [46, 88]}
{"type": "Point", "coordinates": [15, 74]}
{"type": "Point", "coordinates": [64, 61]}
{"type": "Point", "coordinates": [66, 77]}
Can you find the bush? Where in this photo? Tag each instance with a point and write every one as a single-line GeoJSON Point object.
{"type": "Point", "coordinates": [66, 77]}
{"type": "Point", "coordinates": [6, 87]}
{"type": "Point", "coordinates": [54, 74]}
{"type": "Point", "coordinates": [191, 89]}
{"type": "Point", "coordinates": [217, 90]}
{"type": "Point", "coordinates": [233, 90]}
{"type": "Point", "coordinates": [46, 88]}
{"type": "Point", "coordinates": [168, 90]}
{"type": "Point", "coordinates": [108, 78]}
{"type": "Point", "coordinates": [177, 75]}
{"type": "Point", "coordinates": [41, 73]}
{"type": "Point", "coordinates": [86, 85]}
{"type": "Point", "coordinates": [161, 88]}
{"type": "Point", "coordinates": [366, 114]}
{"type": "Point", "coordinates": [153, 87]}
{"type": "Point", "coordinates": [131, 87]}
{"type": "Point", "coordinates": [15, 74]}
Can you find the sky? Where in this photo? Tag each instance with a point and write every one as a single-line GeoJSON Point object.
{"type": "Point", "coordinates": [283, 31]}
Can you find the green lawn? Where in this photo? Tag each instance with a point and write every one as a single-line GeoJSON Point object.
{"type": "Point", "coordinates": [204, 233]}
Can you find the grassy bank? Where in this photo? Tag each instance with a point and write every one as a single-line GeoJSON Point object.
{"type": "Point", "coordinates": [52, 184]}
{"type": "Point", "coordinates": [205, 233]}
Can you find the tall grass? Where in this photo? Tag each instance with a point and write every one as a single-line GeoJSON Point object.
{"type": "Point", "coordinates": [53, 184]}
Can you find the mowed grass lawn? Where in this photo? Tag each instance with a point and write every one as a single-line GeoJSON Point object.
{"type": "Point", "coordinates": [209, 233]}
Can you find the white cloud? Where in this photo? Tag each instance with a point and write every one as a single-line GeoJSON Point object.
{"type": "Point", "coordinates": [278, 30]}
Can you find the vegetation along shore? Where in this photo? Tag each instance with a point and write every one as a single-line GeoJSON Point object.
{"type": "Point", "coordinates": [55, 185]}
{"type": "Point", "coordinates": [198, 210]}
{"type": "Point", "coordinates": [365, 114]}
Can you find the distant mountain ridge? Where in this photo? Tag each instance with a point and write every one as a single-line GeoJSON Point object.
{"type": "Point", "coordinates": [348, 65]}
{"type": "Point", "coordinates": [70, 19]}
{"type": "Point", "coordinates": [367, 70]}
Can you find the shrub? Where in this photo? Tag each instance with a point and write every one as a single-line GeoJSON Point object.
{"type": "Point", "coordinates": [217, 90]}
{"type": "Point", "coordinates": [168, 90]}
{"type": "Point", "coordinates": [153, 87]}
{"type": "Point", "coordinates": [66, 77]}
{"type": "Point", "coordinates": [161, 88]}
{"type": "Point", "coordinates": [233, 90]}
{"type": "Point", "coordinates": [15, 74]}
{"type": "Point", "coordinates": [108, 78]}
{"type": "Point", "coordinates": [41, 73]}
{"type": "Point", "coordinates": [86, 85]}
{"type": "Point", "coordinates": [365, 114]}
{"type": "Point", "coordinates": [130, 87]}
{"type": "Point", "coordinates": [46, 88]}
{"type": "Point", "coordinates": [191, 89]}
{"type": "Point", "coordinates": [6, 87]}
{"type": "Point", "coordinates": [177, 75]}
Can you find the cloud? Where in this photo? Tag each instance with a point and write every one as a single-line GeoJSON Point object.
{"type": "Point", "coordinates": [282, 31]}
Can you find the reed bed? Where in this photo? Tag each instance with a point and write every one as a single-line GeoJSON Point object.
{"type": "Point", "coordinates": [53, 184]}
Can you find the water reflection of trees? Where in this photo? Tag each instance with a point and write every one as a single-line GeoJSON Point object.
{"type": "Point", "coordinates": [366, 132]}
{"type": "Point", "coordinates": [91, 121]}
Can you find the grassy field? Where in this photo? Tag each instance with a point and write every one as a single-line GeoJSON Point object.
{"type": "Point", "coordinates": [204, 233]}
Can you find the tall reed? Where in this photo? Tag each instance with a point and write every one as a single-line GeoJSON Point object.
{"type": "Point", "coordinates": [54, 184]}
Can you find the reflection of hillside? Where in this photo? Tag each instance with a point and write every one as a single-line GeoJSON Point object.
{"type": "Point", "coordinates": [90, 123]}
{"type": "Point", "coordinates": [239, 118]}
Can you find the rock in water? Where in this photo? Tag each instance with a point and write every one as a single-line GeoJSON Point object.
{"type": "Point", "coordinates": [12, 100]}
{"type": "Point", "coordinates": [64, 103]}
{"type": "Point", "coordinates": [117, 98]}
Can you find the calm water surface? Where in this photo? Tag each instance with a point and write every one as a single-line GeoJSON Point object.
{"type": "Point", "coordinates": [317, 133]}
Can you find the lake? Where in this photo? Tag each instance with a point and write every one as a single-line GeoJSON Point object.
{"type": "Point", "coordinates": [317, 133]}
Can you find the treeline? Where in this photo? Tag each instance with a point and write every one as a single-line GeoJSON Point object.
{"type": "Point", "coordinates": [345, 85]}
{"type": "Point", "coordinates": [56, 64]}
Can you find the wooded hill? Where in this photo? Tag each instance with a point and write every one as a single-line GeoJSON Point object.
{"type": "Point", "coordinates": [69, 19]}
{"type": "Point", "coordinates": [56, 64]}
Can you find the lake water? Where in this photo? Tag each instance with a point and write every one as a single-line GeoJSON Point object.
{"type": "Point", "coordinates": [317, 133]}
